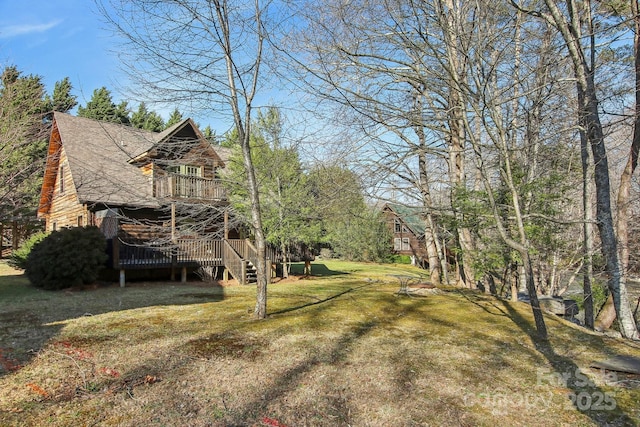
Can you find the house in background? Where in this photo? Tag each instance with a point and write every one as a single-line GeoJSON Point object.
{"type": "Point", "coordinates": [157, 197]}
{"type": "Point", "coordinates": [408, 229]}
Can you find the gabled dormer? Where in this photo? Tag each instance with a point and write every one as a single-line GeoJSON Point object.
{"type": "Point", "coordinates": [182, 164]}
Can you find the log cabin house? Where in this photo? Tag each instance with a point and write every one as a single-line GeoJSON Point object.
{"type": "Point", "coordinates": [157, 197]}
{"type": "Point", "coordinates": [408, 229]}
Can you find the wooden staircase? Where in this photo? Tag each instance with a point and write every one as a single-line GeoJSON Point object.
{"type": "Point", "coordinates": [240, 258]}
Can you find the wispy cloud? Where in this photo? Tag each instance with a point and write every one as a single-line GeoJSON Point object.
{"type": "Point", "coordinates": [24, 29]}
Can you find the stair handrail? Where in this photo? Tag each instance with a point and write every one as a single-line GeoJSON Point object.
{"type": "Point", "coordinates": [234, 263]}
{"type": "Point", "coordinates": [252, 253]}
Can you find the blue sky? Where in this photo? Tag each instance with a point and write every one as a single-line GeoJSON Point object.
{"type": "Point", "coordinates": [57, 39]}
{"type": "Point", "coordinates": [69, 38]}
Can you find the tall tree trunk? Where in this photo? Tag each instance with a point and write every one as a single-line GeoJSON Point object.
{"type": "Point", "coordinates": [466, 274]}
{"type": "Point", "coordinates": [589, 119]}
{"type": "Point", "coordinates": [608, 314]}
{"type": "Point", "coordinates": [283, 246]}
{"type": "Point", "coordinates": [431, 233]}
{"type": "Point", "coordinates": [587, 230]}
{"type": "Point", "coordinates": [260, 310]}
{"type": "Point", "coordinates": [243, 126]}
{"type": "Point", "coordinates": [538, 318]}
{"type": "Point", "coordinates": [632, 160]}
{"type": "Point", "coordinates": [431, 237]}
{"type": "Point", "coordinates": [604, 215]}
{"type": "Point", "coordinates": [451, 22]}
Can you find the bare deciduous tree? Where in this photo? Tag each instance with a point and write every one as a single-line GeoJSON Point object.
{"type": "Point", "coordinates": [207, 56]}
{"type": "Point", "coordinates": [569, 18]}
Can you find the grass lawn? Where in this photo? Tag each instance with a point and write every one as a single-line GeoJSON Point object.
{"type": "Point", "coordinates": [339, 348]}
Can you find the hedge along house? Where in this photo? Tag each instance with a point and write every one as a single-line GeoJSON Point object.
{"type": "Point", "coordinates": [157, 197]}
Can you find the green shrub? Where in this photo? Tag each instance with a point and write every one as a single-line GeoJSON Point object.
{"type": "Point", "coordinates": [599, 293]}
{"type": "Point", "coordinates": [18, 258]}
{"type": "Point", "coordinates": [400, 259]}
{"type": "Point", "coordinates": [66, 258]}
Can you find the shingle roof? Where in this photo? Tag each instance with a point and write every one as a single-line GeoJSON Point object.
{"type": "Point", "coordinates": [411, 216]}
{"type": "Point", "coordinates": [98, 154]}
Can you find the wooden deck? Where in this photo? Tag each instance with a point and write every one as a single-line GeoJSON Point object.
{"type": "Point", "coordinates": [238, 256]}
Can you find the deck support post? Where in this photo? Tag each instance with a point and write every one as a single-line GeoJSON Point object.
{"type": "Point", "coordinates": [173, 222]}
{"type": "Point", "coordinates": [183, 276]}
{"type": "Point", "coordinates": [226, 225]}
{"type": "Point", "coordinates": [122, 277]}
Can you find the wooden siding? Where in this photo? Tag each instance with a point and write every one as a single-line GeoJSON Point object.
{"type": "Point", "coordinates": [64, 208]}
{"type": "Point", "coordinates": [416, 244]}
{"type": "Point", "coordinates": [147, 170]}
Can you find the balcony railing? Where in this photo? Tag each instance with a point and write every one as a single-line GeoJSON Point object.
{"type": "Point", "coordinates": [177, 186]}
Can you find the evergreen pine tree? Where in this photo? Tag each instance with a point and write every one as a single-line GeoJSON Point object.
{"type": "Point", "coordinates": [176, 117]}
{"type": "Point", "coordinates": [147, 120]}
{"type": "Point", "coordinates": [210, 135]}
{"type": "Point", "coordinates": [23, 141]}
{"type": "Point", "coordinates": [102, 107]}
{"type": "Point", "coordinates": [63, 100]}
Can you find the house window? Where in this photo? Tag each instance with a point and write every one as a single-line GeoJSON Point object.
{"type": "Point", "coordinates": [405, 244]}
{"type": "Point", "coordinates": [192, 170]}
{"type": "Point", "coordinates": [61, 179]}
{"type": "Point", "coordinates": [54, 227]}
{"type": "Point", "coordinates": [80, 221]}
{"type": "Point", "coordinates": [397, 225]}
{"type": "Point", "coordinates": [189, 170]}
{"type": "Point", "coordinates": [187, 181]}
{"type": "Point", "coordinates": [397, 244]}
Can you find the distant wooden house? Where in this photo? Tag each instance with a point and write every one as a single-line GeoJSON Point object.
{"type": "Point", "coordinates": [137, 186]}
{"type": "Point", "coordinates": [408, 228]}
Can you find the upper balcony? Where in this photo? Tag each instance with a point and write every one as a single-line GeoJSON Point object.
{"type": "Point", "coordinates": [193, 188]}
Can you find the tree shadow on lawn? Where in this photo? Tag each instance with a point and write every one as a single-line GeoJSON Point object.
{"type": "Point", "coordinates": [30, 317]}
{"type": "Point", "coordinates": [319, 301]}
{"type": "Point", "coordinates": [585, 396]}
{"type": "Point", "coordinates": [334, 406]}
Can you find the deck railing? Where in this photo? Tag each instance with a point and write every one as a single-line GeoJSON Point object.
{"type": "Point", "coordinates": [247, 250]}
{"type": "Point", "coordinates": [177, 186]}
{"type": "Point", "coordinates": [234, 262]}
{"type": "Point", "coordinates": [231, 253]}
{"type": "Point", "coordinates": [207, 253]}
{"type": "Point", "coordinates": [128, 255]}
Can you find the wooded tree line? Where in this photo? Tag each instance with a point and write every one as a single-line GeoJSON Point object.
{"type": "Point", "coordinates": [305, 206]}
{"type": "Point", "coordinates": [518, 106]}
